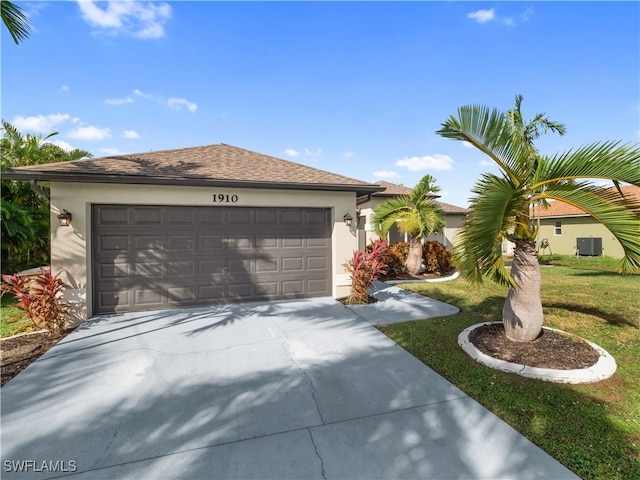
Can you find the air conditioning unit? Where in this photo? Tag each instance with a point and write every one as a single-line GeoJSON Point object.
{"type": "Point", "coordinates": [589, 247]}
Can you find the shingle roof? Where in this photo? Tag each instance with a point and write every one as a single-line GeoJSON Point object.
{"type": "Point", "coordinates": [561, 209]}
{"type": "Point", "coordinates": [394, 189]}
{"type": "Point", "coordinates": [219, 164]}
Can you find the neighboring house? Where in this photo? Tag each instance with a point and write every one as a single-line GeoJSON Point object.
{"type": "Point", "coordinates": [197, 226]}
{"type": "Point", "coordinates": [571, 231]}
{"type": "Point", "coordinates": [454, 217]}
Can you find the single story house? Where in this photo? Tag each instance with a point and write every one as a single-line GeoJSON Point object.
{"type": "Point", "coordinates": [567, 230]}
{"type": "Point", "coordinates": [454, 216]}
{"type": "Point", "coordinates": [196, 226]}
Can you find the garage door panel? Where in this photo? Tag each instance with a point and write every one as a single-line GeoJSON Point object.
{"type": "Point", "coordinates": [292, 264]}
{"type": "Point", "coordinates": [148, 270]}
{"type": "Point", "coordinates": [147, 216]}
{"type": "Point", "coordinates": [147, 242]}
{"type": "Point", "coordinates": [180, 242]}
{"type": "Point", "coordinates": [151, 257]}
{"type": "Point", "coordinates": [113, 216]}
{"type": "Point", "coordinates": [210, 242]}
{"type": "Point", "coordinates": [317, 286]}
{"type": "Point", "coordinates": [292, 241]}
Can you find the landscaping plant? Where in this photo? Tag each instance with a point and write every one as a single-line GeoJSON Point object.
{"type": "Point", "coordinates": [365, 268]}
{"type": "Point", "coordinates": [41, 297]}
{"type": "Point", "coordinates": [502, 205]}
{"type": "Point", "coordinates": [416, 214]}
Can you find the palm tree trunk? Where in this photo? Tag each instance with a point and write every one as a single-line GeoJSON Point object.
{"type": "Point", "coordinates": [414, 257]}
{"type": "Point", "coordinates": [522, 313]}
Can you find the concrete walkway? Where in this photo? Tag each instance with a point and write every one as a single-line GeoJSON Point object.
{"type": "Point", "coordinates": [298, 389]}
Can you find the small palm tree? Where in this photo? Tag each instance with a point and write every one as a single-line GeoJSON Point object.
{"type": "Point", "coordinates": [416, 214]}
{"type": "Point", "coordinates": [502, 205]}
{"type": "Point", "coordinates": [15, 20]}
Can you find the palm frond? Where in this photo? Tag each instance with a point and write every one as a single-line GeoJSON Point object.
{"type": "Point", "coordinates": [602, 160]}
{"type": "Point", "coordinates": [493, 210]}
{"type": "Point", "coordinates": [15, 20]}
{"type": "Point", "coordinates": [489, 131]}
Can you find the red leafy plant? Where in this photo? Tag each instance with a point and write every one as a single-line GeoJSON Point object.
{"type": "Point", "coordinates": [41, 297]}
{"type": "Point", "coordinates": [365, 268]}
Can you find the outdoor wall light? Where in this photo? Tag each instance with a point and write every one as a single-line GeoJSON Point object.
{"type": "Point", "coordinates": [65, 218]}
{"type": "Point", "coordinates": [348, 219]}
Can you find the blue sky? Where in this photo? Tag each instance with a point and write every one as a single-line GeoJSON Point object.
{"type": "Point", "coordinates": [356, 88]}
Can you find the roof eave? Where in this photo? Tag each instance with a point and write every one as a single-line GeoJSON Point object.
{"type": "Point", "coordinates": [183, 181]}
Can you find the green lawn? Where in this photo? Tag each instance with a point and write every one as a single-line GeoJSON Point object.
{"type": "Point", "coordinates": [593, 429]}
{"type": "Point", "coordinates": [12, 319]}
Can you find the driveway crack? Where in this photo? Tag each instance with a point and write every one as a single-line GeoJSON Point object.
{"type": "Point", "coordinates": [128, 414]}
{"type": "Point", "coordinates": [303, 372]}
{"type": "Point", "coordinates": [315, 447]}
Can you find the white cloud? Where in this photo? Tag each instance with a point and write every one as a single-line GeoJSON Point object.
{"type": "Point", "coordinates": [386, 174]}
{"type": "Point", "coordinates": [118, 101]}
{"type": "Point", "coordinates": [427, 162]}
{"type": "Point", "coordinates": [467, 144]}
{"type": "Point", "coordinates": [130, 134]}
{"type": "Point", "coordinates": [90, 133]}
{"type": "Point", "coordinates": [39, 123]}
{"type": "Point", "coordinates": [310, 153]}
{"type": "Point", "coordinates": [291, 152]}
{"type": "Point", "coordinates": [173, 102]}
{"type": "Point", "coordinates": [348, 154]}
{"type": "Point", "coordinates": [64, 89]}
{"type": "Point", "coordinates": [135, 18]}
{"type": "Point", "coordinates": [487, 163]}
{"type": "Point", "coordinates": [66, 146]}
{"type": "Point", "coordinates": [482, 16]}
{"type": "Point", "coordinates": [180, 103]}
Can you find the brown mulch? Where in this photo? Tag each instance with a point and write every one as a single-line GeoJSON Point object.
{"type": "Point", "coordinates": [17, 353]}
{"type": "Point", "coordinates": [550, 350]}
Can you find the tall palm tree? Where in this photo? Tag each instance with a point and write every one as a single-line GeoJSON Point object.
{"type": "Point", "coordinates": [15, 20]}
{"type": "Point", "coordinates": [416, 214]}
{"type": "Point", "coordinates": [502, 204]}
{"type": "Point", "coordinates": [24, 215]}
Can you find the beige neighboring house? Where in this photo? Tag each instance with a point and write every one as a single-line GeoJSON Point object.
{"type": "Point", "coordinates": [571, 231]}
{"type": "Point", "coordinates": [454, 217]}
{"type": "Point", "coordinates": [196, 226]}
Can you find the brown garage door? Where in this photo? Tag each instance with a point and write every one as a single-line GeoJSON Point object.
{"type": "Point", "coordinates": [156, 257]}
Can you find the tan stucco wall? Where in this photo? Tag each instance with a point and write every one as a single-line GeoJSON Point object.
{"type": "Point", "coordinates": [71, 246]}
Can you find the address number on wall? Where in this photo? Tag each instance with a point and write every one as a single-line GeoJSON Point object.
{"type": "Point", "coordinates": [224, 198]}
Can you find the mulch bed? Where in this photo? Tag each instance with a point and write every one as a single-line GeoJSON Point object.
{"type": "Point", "coordinates": [550, 350]}
{"type": "Point", "coordinates": [17, 353]}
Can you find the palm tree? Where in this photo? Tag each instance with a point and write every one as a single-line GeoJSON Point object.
{"type": "Point", "coordinates": [416, 214]}
{"type": "Point", "coordinates": [15, 20]}
{"type": "Point", "coordinates": [24, 215]}
{"type": "Point", "coordinates": [502, 204]}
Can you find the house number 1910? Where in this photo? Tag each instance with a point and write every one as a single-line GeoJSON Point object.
{"type": "Point", "coordinates": [224, 198]}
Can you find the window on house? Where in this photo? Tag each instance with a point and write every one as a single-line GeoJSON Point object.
{"type": "Point", "coordinates": [557, 228]}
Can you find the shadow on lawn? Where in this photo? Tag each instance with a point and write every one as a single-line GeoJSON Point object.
{"type": "Point", "coordinates": [611, 318]}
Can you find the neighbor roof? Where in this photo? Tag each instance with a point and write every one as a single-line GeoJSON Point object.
{"type": "Point", "coordinates": [395, 190]}
{"type": "Point", "coordinates": [558, 209]}
{"type": "Point", "coordinates": [220, 164]}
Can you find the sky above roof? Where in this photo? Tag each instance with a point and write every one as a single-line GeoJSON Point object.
{"type": "Point", "coordinates": [355, 88]}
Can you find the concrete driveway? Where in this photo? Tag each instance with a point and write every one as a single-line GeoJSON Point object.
{"type": "Point", "coordinates": [298, 389]}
